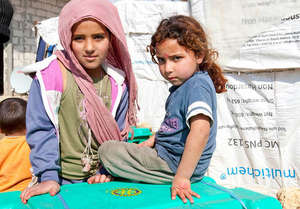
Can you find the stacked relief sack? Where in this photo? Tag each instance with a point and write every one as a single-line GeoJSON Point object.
{"type": "Point", "coordinates": [259, 47]}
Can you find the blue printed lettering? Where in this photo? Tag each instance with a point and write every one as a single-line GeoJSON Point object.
{"type": "Point", "coordinates": [258, 172]}
{"type": "Point", "coordinates": [262, 173]}
{"type": "Point", "coordinates": [289, 171]}
{"type": "Point", "coordinates": [278, 171]}
{"type": "Point", "coordinates": [252, 173]}
{"type": "Point", "coordinates": [242, 170]}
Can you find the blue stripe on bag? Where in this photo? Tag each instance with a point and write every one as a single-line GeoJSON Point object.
{"type": "Point", "coordinates": [227, 191]}
{"type": "Point", "coordinates": [62, 201]}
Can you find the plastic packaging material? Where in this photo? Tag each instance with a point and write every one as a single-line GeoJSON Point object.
{"type": "Point", "coordinates": [139, 135]}
{"type": "Point", "coordinates": [136, 195]}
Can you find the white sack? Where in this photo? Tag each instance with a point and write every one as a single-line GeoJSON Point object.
{"type": "Point", "coordinates": [143, 17]}
{"type": "Point", "coordinates": [232, 25]}
{"type": "Point", "coordinates": [48, 30]}
{"type": "Point", "coordinates": [258, 131]}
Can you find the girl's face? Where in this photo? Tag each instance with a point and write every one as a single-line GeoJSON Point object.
{"type": "Point", "coordinates": [90, 44]}
{"type": "Point", "coordinates": [176, 63]}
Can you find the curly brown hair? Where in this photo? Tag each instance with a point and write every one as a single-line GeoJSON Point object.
{"type": "Point", "coordinates": [189, 34]}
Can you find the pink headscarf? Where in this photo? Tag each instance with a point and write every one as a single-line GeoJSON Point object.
{"type": "Point", "coordinates": [98, 116]}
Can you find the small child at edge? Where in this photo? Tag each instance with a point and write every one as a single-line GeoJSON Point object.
{"type": "Point", "coordinates": [15, 165]}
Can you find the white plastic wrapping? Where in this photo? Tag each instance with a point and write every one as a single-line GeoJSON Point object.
{"type": "Point", "coordinates": [252, 34]}
{"type": "Point", "coordinates": [258, 131]}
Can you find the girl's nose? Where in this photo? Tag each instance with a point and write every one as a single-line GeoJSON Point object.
{"type": "Point", "coordinates": [169, 67]}
{"type": "Point", "coordinates": [89, 47]}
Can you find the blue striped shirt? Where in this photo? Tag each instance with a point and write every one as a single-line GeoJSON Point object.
{"type": "Point", "coordinates": [195, 96]}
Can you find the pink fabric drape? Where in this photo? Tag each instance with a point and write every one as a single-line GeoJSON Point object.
{"type": "Point", "coordinates": [100, 120]}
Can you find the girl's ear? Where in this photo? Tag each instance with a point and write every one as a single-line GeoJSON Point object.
{"type": "Point", "coordinates": [199, 58]}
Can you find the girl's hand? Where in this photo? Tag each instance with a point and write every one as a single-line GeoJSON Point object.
{"type": "Point", "coordinates": [51, 187]}
{"type": "Point", "coordinates": [149, 142]}
{"type": "Point", "coordinates": [99, 178]}
{"type": "Point", "coordinates": [182, 187]}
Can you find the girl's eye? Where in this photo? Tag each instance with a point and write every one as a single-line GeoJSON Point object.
{"type": "Point", "coordinates": [160, 60]}
{"type": "Point", "coordinates": [176, 58]}
{"type": "Point", "coordinates": [99, 36]}
{"type": "Point", "coordinates": [78, 38]}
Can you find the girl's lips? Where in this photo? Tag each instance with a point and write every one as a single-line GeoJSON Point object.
{"type": "Point", "coordinates": [90, 58]}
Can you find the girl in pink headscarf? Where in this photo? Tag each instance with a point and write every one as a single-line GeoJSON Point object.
{"type": "Point", "coordinates": [85, 95]}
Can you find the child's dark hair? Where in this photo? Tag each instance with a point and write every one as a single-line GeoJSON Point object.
{"type": "Point", "coordinates": [12, 115]}
{"type": "Point", "coordinates": [189, 34]}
